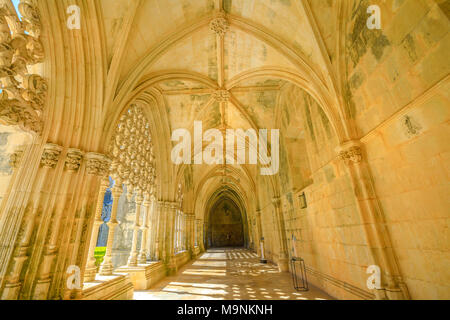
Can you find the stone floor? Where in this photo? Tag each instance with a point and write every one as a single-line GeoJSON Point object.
{"type": "Point", "coordinates": [228, 274]}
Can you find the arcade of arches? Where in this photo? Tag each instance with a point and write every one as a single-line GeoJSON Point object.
{"type": "Point", "coordinates": [93, 207]}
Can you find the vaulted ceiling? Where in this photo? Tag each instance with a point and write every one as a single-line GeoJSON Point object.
{"type": "Point", "coordinates": [227, 80]}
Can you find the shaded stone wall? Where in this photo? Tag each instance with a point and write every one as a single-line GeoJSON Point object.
{"type": "Point", "coordinates": [328, 232]}
{"type": "Point", "coordinates": [226, 228]}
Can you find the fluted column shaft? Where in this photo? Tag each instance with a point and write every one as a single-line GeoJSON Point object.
{"type": "Point", "coordinates": [142, 258]}
{"type": "Point", "coordinates": [158, 230]}
{"type": "Point", "coordinates": [106, 267]}
{"type": "Point", "coordinates": [170, 232]}
{"type": "Point", "coordinates": [133, 259]}
{"type": "Point", "coordinates": [259, 231]}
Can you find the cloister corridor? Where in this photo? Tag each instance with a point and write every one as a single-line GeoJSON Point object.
{"type": "Point", "coordinates": [228, 274]}
{"type": "Point", "coordinates": [161, 149]}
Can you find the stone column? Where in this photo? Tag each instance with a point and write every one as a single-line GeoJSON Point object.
{"type": "Point", "coordinates": [12, 284]}
{"type": "Point", "coordinates": [196, 226]}
{"type": "Point", "coordinates": [260, 247]}
{"type": "Point", "coordinates": [151, 230]}
{"type": "Point", "coordinates": [142, 258]}
{"type": "Point", "coordinates": [190, 234]}
{"type": "Point", "coordinates": [158, 230]}
{"type": "Point", "coordinates": [91, 268]}
{"type": "Point", "coordinates": [106, 267]}
{"type": "Point", "coordinates": [169, 241]}
{"type": "Point", "coordinates": [133, 259]}
{"type": "Point", "coordinates": [279, 225]}
{"type": "Point", "coordinates": [373, 223]}
{"type": "Point", "coordinates": [202, 236]}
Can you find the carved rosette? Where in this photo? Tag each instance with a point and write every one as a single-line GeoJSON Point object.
{"type": "Point", "coordinates": [23, 95]}
{"type": "Point", "coordinates": [220, 24]}
{"type": "Point", "coordinates": [97, 164]}
{"type": "Point", "coordinates": [50, 155]}
{"type": "Point", "coordinates": [351, 155]}
{"type": "Point", "coordinates": [222, 95]}
{"type": "Point", "coordinates": [73, 160]}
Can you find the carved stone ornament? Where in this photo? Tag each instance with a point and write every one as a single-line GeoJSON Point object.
{"type": "Point", "coordinates": [351, 155]}
{"type": "Point", "coordinates": [73, 160]}
{"type": "Point", "coordinates": [15, 158]}
{"type": "Point", "coordinates": [23, 95]}
{"type": "Point", "coordinates": [131, 150]}
{"type": "Point", "coordinates": [220, 24]}
{"type": "Point", "coordinates": [222, 95]}
{"type": "Point", "coordinates": [50, 155]}
{"type": "Point", "coordinates": [97, 164]}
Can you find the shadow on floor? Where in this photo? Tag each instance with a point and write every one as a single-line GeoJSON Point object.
{"type": "Point", "coordinates": [228, 274]}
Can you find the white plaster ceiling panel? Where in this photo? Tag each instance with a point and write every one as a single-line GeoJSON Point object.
{"type": "Point", "coordinates": [197, 53]}
{"type": "Point", "coordinates": [282, 18]}
{"type": "Point", "coordinates": [173, 85]}
{"type": "Point", "coordinates": [260, 106]}
{"type": "Point", "coordinates": [324, 12]}
{"type": "Point", "coordinates": [243, 52]}
{"type": "Point", "coordinates": [113, 17]}
{"type": "Point", "coordinates": [184, 109]}
{"type": "Point", "coordinates": [157, 19]}
{"type": "Point", "coordinates": [235, 118]}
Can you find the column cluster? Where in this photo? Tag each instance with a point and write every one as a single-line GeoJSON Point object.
{"type": "Point", "coordinates": [131, 151]}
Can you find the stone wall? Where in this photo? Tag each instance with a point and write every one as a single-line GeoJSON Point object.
{"type": "Point", "coordinates": [401, 109]}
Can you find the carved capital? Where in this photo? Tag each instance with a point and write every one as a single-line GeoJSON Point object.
{"type": "Point", "coordinates": [50, 155]}
{"type": "Point", "coordinates": [219, 24]}
{"type": "Point", "coordinates": [97, 164]}
{"type": "Point", "coordinates": [73, 160]}
{"type": "Point", "coordinates": [15, 158]}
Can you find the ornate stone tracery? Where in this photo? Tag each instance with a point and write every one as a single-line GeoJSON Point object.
{"type": "Point", "coordinates": [23, 95]}
{"type": "Point", "coordinates": [131, 150]}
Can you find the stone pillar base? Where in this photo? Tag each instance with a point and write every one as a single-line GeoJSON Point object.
{"type": "Point", "coordinates": [114, 287]}
{"type": "Point", "coordinates": [143, 276]}
{"type": "Point", "coordinates": [142, 258]}
{"type": "Point", "coordinates": [11, 291]}
{"type": "Point", "coordinates": [41, 290]}
{"type": "Point", "coordinates": [89, 274]}
{"type": "Point", "coordinates": [283, 265]}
